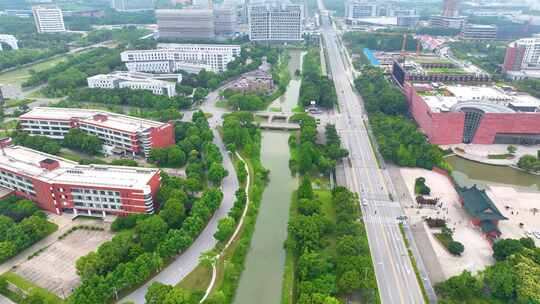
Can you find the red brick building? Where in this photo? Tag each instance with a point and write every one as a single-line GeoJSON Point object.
{"type": "Point", "coordinates": [490, 117]}
{"type": "Point", "coordinates": [59, 185]}
{"type": "Point", "coordinates": [131, 135]}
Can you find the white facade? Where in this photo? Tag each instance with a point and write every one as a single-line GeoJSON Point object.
{"type": "Point", "coordinates": [225, 20]}
{"type": "Point", "coordinates": [360, 9]}
{"type": "Point", "coordinates": [185, 23]}
{"type": "Point", "coordinates": [9, 40]}
{"type": "Point", "coordinates": [531, 56]}
{"type": "Point", "coordinates": [134, 81]}
{"type": "Point", "coordinates": [168, 58]}
{"type": "Point", "coordinates": [48, 19]}
{"type": "Point", "coordinates": [281, 23]}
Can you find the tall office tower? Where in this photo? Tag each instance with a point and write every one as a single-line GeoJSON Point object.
{"type": "Point", "coordinates": [185, 23]}
{"type": "Point", "coordinates": [133, 5]}
{"type": "Point", "coordinates": [360, 9]}
{"type": "Point", "coordinates": [48, 19]}
{"type": "Point", "coordinates": [275, 23]}
{"type": "Point", "coordinates": [450, 8]}
{"type": "Point", "coordinates": [225, 20]}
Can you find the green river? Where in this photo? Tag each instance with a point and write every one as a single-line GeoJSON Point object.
{"type": "Point", "coordinates": [261, 280]}
{"type": "Point", "coordinates": [467, 173]}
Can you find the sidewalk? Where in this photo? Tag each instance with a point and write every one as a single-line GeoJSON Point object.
{"type": "Point", "coordinates": [480, 153]}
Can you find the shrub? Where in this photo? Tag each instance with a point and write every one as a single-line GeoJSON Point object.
{"type": "Point", "coordinates": [456, 248]}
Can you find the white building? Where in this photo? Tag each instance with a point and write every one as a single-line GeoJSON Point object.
{"type": "Point", "coordinates": [132, 5]}
{"type": "Point", "coordinates": [479, 32]}
{"type": "Point", "coordinates": [225, 20]}
{"type": "Point", "coordinates": [360, 9]}
{"type": "Point", "coordinates": [48, 19]}
{"type": "Point", "coordinates": [134, 81]}
{"type": "Point", "coordinates": [185, 23]}
{"type": "Point", "coordinates": [9, 40]}
{"type": "Point", "coordinates": [278, 23]}
{"type": "Point", "coordinates": [192, 58]}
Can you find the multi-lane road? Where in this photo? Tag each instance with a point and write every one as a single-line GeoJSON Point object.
{"type": "Point", "coordinates": [396, 278]}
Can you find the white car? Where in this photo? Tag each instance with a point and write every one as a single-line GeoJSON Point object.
{"type": "Point", "coordinates": [364, 202]}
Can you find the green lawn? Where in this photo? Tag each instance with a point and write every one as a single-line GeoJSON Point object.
{"type": "Point", "coordinates": [31, 288]}
{"type": "Point", "coordinates": [198, 279]}
{"type": "Point", "coordinates": [18, 76]}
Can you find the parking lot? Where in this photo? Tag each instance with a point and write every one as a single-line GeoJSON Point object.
{"type": "Point", "coordinates": [54, 268]}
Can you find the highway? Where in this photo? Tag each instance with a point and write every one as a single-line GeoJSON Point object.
{"type": "Point", "coordinates": [395, 276]}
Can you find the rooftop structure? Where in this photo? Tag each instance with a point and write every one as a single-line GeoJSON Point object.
{"type": "Point", "coordinates": [124, 133]}
{"type": "Point", "coordinates": [134, 81]}
{"type": "Point", "coordinates": [479, 32]}
{"type": "Point", "coordinates": [58, 185]}
{"type": "Point", "coordinates": [48, 19]}
{"type": "Point", "coordinates": [275, 23]}
{"type": "Point", "coordinates": [426, 68]}
{"type": "Point", "coordinates": [254, 81]}
{"type": "Point", "coordinates": [482, 209]}
{"type": "Point", "coordinates": [192, 58]}
{"type": "Point", "coordinates": [185, 23]}
{"type": "Point", "coordinates": [132, 5]}
{"type": "Point", "coordinates": [9, 40]}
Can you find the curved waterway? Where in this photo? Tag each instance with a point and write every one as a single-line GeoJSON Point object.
{"type": "Point", "coordinates": [261, 279]}
{"type": "Point", "coordinates": [467, 173]}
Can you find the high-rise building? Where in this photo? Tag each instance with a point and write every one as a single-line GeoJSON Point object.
{"type": "Point", "coordinates": [450, 8]}
{"type": "Point", "coordinates": [171, 57]}
{"type": "Point", "coordinates": [133, 5]}
{"type": "Point", "coordinates": [48, 19]}
{"type": "Point", "coordinates": [359, 9]}
{"type": "Point", "coordinates": [225, 20]}
{"type": "Point", "coordinates": [275, 22]}
{"type": "Point", "coordinates": [185, 23]}
{"type": "Point", "coordinates": [59, 185]}
{"type": "Point", "coordinates": [522, 59]}
{"type": "Point", "coordinates": [479, 32]}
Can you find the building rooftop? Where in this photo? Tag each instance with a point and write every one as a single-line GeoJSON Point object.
{"type": "Point", "coordinates": [28, 162]}
{"type": "Point", "coordinates": [479, 205]}
{"type": "Point", "coordinates": [490, 99]}
{"type": "Point", "coordinates": [132, 77]}
{"type": "Point", "coordinates": [95, 117]}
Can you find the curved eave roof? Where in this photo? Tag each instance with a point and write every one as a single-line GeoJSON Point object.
{"type": "Point", "coordinates": [482, 106]}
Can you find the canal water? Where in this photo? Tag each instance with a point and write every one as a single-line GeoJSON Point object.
{"type": "Point", "coordinates": [289, 100]}
{"type": "Point", "coordinates": [467, 173]}
{"type": "Point", "coordinates": [261, 279]}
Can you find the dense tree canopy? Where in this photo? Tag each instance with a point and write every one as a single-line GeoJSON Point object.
{"type": "Point", "coordinates": [315, 86]}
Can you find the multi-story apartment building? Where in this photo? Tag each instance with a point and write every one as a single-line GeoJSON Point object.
{"type": "Point", "coordinates": [185, 23]}
{"type": "Point", "coordinates": [59, 185]}
{"type": "Point", "coordinates": [9, 40]}
{"type": "Point", "coordinates": [359, 9]}
{"type": "Point", "coordinates": [168, 58]}
{"type": "Point", "coordinates": [48, 19]}
{"type": "Point", "coordinates": [134, 81]}
{"type": "Point", "coordinates": [225, 20]}
{"type": "Point", "coordinates": [132, 5]}
{"type": "Point", "coordinates": [275, 23]}
{"type": "Point", "coordinates": [522, 54]}
{"type": "Point", "coordinates": [479, 32]}
{"type": "Point", "coordinates": [121, 133]}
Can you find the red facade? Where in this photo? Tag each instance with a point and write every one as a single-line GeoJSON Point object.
{"type": "Point", "coordinates": [163, 136]}
{"type": "Point", "coordinates": [447, 128]}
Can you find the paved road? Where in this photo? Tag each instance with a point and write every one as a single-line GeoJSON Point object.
{"type": "Point", "coordinates": [187, 261]}
{"type": "Point", "coordinates": [395, 276]}
{"type": "Point", "coordinates": [4, 300]}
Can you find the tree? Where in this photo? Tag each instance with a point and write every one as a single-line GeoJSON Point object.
{"type": "Point", "coordinates": [527, 242]}
{"type": "Point", "coordinates": [501, 280]}
{"type": "Point", "coordinates": [208, 259]}
{"type": "Point", "coordinates": [226, 227]}
{"type": "Point", "coordinates": [157, 293]}
{"type": "Point", "coordinates": [7, 250]}
{"type": "Point", "coordinates": [305, 190]}
{"type": "Point", "coordinates": [511, 149]}
{"type": "Point", "coordinates": [150, 232]}
{"type": "Point", "coordinates": [173, 213]}
{"type": "Point", "coordinates": [349, 281]}
{"type": "Point", "coordinates": [217, 173]}
{"type": "Point", "coordinates": [309, 207]}
{"type": "Point", "coordinates": [461, 287]}
{"type": "Point", "coordinates": [455, 248]}
{"type": "Point", "coordinates": [506, 247]}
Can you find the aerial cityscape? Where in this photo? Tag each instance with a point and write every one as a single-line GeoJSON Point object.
{"type": "Point", "coordinates": [269, 151]}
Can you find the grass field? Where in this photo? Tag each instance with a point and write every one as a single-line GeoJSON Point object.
{"type": "Point", "coordinates": [19, 76]}
{"type": "Point", "coordinates": [31, 288]}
